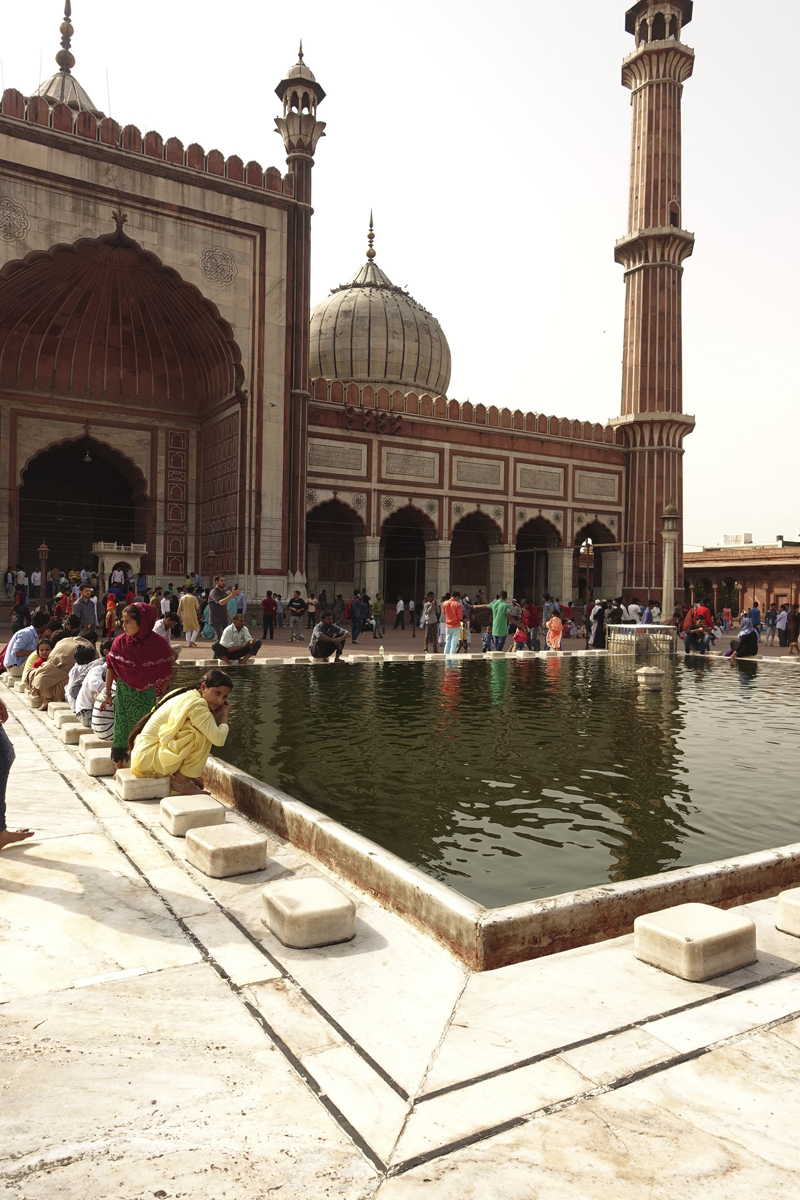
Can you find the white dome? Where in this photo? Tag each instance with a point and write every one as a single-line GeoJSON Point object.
{"type": "Point", "coordinates": [369, 331]}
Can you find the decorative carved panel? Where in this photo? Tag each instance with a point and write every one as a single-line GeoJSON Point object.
{"type": "Point", "coordinates": [590, 485]}
{"type": "Point", "coordinates": [409, 465]}
{"type": "Point", "coordinates": [336, 457]}
{"type": "Point", "coordinates": [478, 471]}
{"type": "Point", "coordinates": [176, 502]}
{"type": "Point", "coordinates": [544, 481]}
{"type": "Point", "coordinates": [220, 480]}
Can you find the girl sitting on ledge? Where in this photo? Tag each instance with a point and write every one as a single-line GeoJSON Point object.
{"type": "Point", "coordinates": [176, 737]}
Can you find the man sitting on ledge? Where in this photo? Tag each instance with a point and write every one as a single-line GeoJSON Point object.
{"type": "Point", "coordinates": [327, 638]}
{"type": "Point", "coordinates": [235, 645]}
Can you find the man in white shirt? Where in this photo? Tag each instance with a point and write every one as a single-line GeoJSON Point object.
{"type": "Point", "coordinates": [634, 612]}
{"type": "Point", "coordinates": [117, 578]}
{"type": "Point", "coordinates": [400, 618]}
{"type": "Point", "coordinates": [164, 627]}
{"type": "Point", "coordinates": [235, 645]}
{"type": "Point", "coordinates": [166, 604]}
{"type": "Point", "coordinates": [84, 575]}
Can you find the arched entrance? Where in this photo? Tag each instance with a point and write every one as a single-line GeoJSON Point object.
{"type": "Point", "coordinates": [403, 538]}
{"type": "Point", "coordinates": [71, 503]}
{"type": "Point", "coordinates": [530, 562]}
{"type": "Point", "coordinates": [470, 568]}
{"type": "Point", "coordinates": [331, 530]}
{"type": "Point", "coordinates": [106, 321]}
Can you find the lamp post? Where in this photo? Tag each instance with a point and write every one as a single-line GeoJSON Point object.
{"type": "Point", "coordinates": [669, 539]}
{"type": "Point", "coordinates": [44, 550]}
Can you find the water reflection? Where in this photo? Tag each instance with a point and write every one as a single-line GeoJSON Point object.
{"type": "Point", "coordinates": [513, 780]}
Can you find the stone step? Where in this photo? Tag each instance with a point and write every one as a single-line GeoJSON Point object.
{"type": "Point", "coordinates": [223, 850]}
{"type": "Point", "coordinates": [57, 706]}
{"type": "Point", "coordinates": [179, 814]}
{"type": "Point", "coordinates": [131, 787]}
{"type": "Point", "coordinates": [19, 686]}
{"type": "Point", "coordinates": [90, 741]}
{"type": "Point", "coordinates": [308, 912]}
{"type": "Point", "coordinates": [71, 732]}
{"type": "Point", "coordinates": [33, 701]}
{"type": "Point", "coordinates": [695, 941]}
{"type": "Point", "coordinates": [65, 716]}
{"type": "Point", "coordinates": [787, 917]}
{"type": "Point", "coordinates": [97, 761]}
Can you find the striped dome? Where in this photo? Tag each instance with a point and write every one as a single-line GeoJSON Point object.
{"type": "Point", "coordinates": [369, 331]}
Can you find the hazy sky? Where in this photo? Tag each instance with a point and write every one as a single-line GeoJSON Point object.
{"type": "Point", "coordinates": [492, 143]}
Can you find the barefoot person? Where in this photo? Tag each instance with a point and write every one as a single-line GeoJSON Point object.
{"type": "Point", "coordinates": [327, 638]}
{"type": "Point", "coordinates": [141, 663]}
{"type": "Point", "coordinates": [235, 645]}
{"type": "Point", "coordinates": [176, 738]}
{"type": "Point", "coordinates": [7, 836]}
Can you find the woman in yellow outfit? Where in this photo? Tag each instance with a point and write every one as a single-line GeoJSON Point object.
{"type": "Point", "coordinates": [176, 737]}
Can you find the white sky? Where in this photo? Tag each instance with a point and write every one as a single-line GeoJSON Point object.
{"type": "Point", "coordinates": [492, 142]}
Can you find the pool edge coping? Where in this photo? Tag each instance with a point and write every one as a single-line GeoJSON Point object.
{"type": "Point", "coordinates": [484, 939]}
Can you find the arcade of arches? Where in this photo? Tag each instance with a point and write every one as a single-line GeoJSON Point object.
{"type": "Point", "coordinates": [407, 560]}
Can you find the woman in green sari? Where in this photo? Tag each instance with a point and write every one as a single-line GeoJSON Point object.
{"type": "Point", "coordinates": [141, 663]}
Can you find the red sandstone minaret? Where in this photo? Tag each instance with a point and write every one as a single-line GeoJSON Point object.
{"type": "Point", "coordinates": [652, 253]}
{"type": "Point", "coordinates": [300, 94]}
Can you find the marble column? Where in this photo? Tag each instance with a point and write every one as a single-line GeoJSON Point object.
{"type": "Point", "coordinates": [669, 542]}
{"type": "Point", "coordinates": [312, 567]}
{"type": "Point", "coordinates": [559, 572]}
{"type": "Point", "coordinates": [367, 569]}
{"type": "Point", "coordinates": [501, 569]}
{"type": "Point", "coordinates": [437, 567]}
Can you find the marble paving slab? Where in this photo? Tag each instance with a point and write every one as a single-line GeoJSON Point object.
{"type": "Point", "coordinates": [162, 1085]}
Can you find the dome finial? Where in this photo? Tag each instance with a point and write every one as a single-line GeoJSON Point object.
{"type": "Point", "coordinates": [371, 238]}
{"type": "Point", "coordinates": [65, 58]}
{"type": "Point", "coordinates": [300, 52]}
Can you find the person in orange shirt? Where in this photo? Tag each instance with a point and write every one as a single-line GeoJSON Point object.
{"type": "Point", "coordinates": [453, 615]}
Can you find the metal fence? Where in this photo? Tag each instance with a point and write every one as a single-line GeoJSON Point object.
{"type": "Point", "coordinates": [641, 639]}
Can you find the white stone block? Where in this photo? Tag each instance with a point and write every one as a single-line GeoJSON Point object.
{"type": "Point", "coordinates": [97, 761]}
{"type": "Point", "coordinates": [56, 707]}
{"type": "Point", "coordinates": [131, 787]}
{"type": "Point", "coordinates": [787, 917]}
{"type": "Point", "coordinates": [65, 716]}
{"type": "Point", "coordinates": [70, 731]}
{"type": "Point", "coordinates": [223, 850]}
{"type": "Point", "coordinates": [308, 912]}
{"type": "Point", "coordinates": [695, 941]}
{"type": "Point", "coordinates": [90, 741]}
{"type": "Point", "coordinates": [33, 701]}
{"type": "Point", "coordinates": [19, 686]}
{"type": "Point", "coordinates": [179, 814]}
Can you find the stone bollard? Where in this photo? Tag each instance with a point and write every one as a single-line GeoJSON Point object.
{"type": "Point", "coordinates": [651, 679]}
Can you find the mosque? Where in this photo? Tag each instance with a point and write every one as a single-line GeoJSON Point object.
{"type": "Point", "coordinates": [164, 383]}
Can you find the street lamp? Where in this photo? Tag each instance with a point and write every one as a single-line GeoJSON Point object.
{"type": "Point", "coordinates": [669, 540]}
{"type": "Point", "coordinates": [44, 550]}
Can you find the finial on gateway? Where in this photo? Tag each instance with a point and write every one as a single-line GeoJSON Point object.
{"type": "Point", "coordinates": [65, 58]}
{"type": "Point", "coordinates": [371, 238]}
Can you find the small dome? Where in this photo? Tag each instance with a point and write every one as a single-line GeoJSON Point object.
{"type": "Point", "coordinates": [369, 331]}
{"type": "Point", "coordinates": [63, 88]}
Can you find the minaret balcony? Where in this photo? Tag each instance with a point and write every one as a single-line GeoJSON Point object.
{"type": "Point", "coordinates": [657, 62]}
{"type": "Point", "coordinates": [661, 246]}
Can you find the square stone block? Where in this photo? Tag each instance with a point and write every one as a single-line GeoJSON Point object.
{"type": "Point", "coordinates": [130, 787]}
{"type": "Point", "coordinates": [223, 850]}
{"type": "Point", "coordinates": [787, 917]}
{"type": "Point", "coordinates": [695, 941]}
{"type": "Point", "coordinates": [179, 814]}
{"type": "Point", "coordinates": [308, 912]}
{"type": "Point", "coordinates": [65, 716]}
{"type": "Point", "coordinates": [90, 741]}
{"type": "Point", "coordinates": [33, 701]}
{"type": "Point", "coordinates": [19, 686]}
{"type": "Point", "coordinates": [97, 761]}
{"type": "Point", "coordinates": [56, 707]}
{"type": "Point", "coordinates": [70, 731]}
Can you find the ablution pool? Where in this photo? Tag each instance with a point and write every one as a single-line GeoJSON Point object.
{"type": "Point", "coordinates": [517, 781]}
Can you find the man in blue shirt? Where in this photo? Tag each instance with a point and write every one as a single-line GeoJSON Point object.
{"type": "Point", "coordinates": [647, 615]}
{"type": "Point", "coordinates": [327, 638]}
{"type": "Point", "coordinates": [22, 644]}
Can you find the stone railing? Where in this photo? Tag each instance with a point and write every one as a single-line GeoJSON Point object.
{"type": "Point", "coordinates": [641, 639]}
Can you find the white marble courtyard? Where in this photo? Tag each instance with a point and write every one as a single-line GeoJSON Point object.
{"type": "Point", "coordinates": [158, 1041]}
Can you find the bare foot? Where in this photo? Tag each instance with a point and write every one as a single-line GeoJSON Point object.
{"type": "Point", "coordinates": [185, 786]}
{"type": "Point", "coordinates": [9, 836]}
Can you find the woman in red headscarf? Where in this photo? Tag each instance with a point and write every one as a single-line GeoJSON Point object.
{"type": "Point", "coordinates": [141, 663]}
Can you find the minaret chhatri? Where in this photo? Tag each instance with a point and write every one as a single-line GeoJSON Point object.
{"type": "Point", "coordinates": [300, 94]}
{"type": "Point", "coordinates": [652, 253]}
